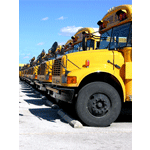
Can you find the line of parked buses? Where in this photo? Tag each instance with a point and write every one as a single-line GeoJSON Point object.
{"type": "Point", "coordinates": [93, 70]}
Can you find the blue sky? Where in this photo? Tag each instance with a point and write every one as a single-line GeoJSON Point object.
{"type": "Point", "coordinates": [42, 22]}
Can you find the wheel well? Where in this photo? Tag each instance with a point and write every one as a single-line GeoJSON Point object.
{"type": "Point", "coordinates": [105, 77]}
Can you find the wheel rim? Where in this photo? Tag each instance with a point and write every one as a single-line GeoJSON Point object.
{"type": "Point", "coordinates": [98, 104]}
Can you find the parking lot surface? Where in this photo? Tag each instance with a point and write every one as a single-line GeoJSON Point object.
{"type": "Point", "coordinates": [41, 128]}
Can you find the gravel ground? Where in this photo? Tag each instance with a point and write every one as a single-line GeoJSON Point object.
{"type": "Point", "coordinates": [41, 128]}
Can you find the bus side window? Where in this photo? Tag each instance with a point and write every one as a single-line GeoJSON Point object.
{"type": "Point", "coordinates": [79, 46]}
{"type": "Point", "coordinates": [119, 36]}
{"type": "Point", "coordinates": [80, 49]}
{"type": "Point", "coordinates": [97, 45]}
{"type": "Point", "coordinates": [90, 44]}
{"type": "Point", "coordinates": [105, 39]}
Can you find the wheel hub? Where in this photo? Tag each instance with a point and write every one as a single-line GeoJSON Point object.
{"type": "Point", "coordinates": [98, 104]}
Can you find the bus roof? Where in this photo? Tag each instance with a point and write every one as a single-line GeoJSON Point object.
{"type": "Point", "coordinates": [88, 29]}
{"type": "Point", "coordinates": [91, 31]}
{"type": "Point", "coordinates": [68, 45]}
{"type": "Point", "coordinates": [69, 41]}
{"type": "Point", "coordinates": [112, 19]}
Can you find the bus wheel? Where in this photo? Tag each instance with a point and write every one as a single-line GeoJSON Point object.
{"type": "Point", "coordinates": [98, 104]}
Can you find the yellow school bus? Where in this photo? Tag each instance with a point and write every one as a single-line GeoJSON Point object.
{"type": "Point", "coordinates": [86, 35]}
{"type": "Point", "coordinates": [32, 63]}
{"type": "Point", "coordinates": [20, 70]}
{"type": "Point", "coordinates": [60, 50]}
{"type": "Point", "coordinates": [91, 39]}
{"type": "Point", "coordinates": [37, 68]}
{"type": "Point", "coordinates": [98, 81]}
{"type": "Point", "coordinates": [24, 72]}
{"type": "Point", "coordinates": [45, 73]}
{"type": "Point", "coordinates": [32, 71]}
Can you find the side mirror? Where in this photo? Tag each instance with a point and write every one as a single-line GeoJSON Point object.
{"type": "Point", "coordinates": [54, 47]}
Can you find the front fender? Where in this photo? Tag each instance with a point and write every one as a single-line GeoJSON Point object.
{"type": "Point", "coordinates": [83, 72]}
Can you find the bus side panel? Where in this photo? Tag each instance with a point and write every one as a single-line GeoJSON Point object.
{"type": "Point", "coordinates": [128, 80]}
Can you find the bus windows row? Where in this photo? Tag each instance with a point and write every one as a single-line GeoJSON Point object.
{"type": "Point", "coordinates": [78, 47]}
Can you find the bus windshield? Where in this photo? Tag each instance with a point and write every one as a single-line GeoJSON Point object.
{"type": "Point", "coordinates": [117, 37]}
{"type": "Point", "coordinates": [78, 47]}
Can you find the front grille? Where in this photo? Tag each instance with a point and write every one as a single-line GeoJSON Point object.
{"type": "Point", "coordinates": [39, 70]}
{"type": "Point", "coordinates": [31, 71]}
{"type": "Point", "coordinates": [42, 69]}
{"type": "Point", "coordinates": [56, 67]}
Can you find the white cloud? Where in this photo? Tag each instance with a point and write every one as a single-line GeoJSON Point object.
{"type": "Point", "coordinates": [46, 18]}
{"type": "Point", "coordinates": [61, 18]}
{"type": "Point", "coordinates": [25, 57]}
{"type": "Point", "coordinates": [96, 29]}
{"type": "Point", "coordinates": [69, 30]}
{"type": "Point", "coordinates": [41, 43]}
{"type": "Point", "coordinates": [61, 43]}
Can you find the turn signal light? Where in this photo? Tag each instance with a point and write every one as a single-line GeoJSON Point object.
{"type": "Point", "coordinates": [50, 78]}
{"type": "Point", "coordinates": [71, 79]}
{"type": "Point", "coordinates": [87, 63]}
{"type": "Point", "coordinates": [35, 76]}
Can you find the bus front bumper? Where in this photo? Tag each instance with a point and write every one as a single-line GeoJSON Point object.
{"type": "Point", "coordinates": [61, 93]}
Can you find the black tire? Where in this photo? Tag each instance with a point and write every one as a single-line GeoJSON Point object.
{"type": "Point", "coordinates": [98, 104]}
